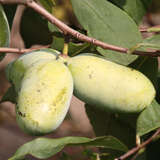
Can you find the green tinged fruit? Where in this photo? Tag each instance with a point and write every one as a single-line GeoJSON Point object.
{"type": "Point", "coordinates": [44, 97]}
{"type": "Point", "coordinates": [110, 86]}
{"type": "Point", "coordinates": [16, 70]}
{"type": "Point", "coordinates": [44, 86]}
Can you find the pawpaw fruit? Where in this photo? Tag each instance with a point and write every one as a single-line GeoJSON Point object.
{"type": "Point", "coordinates": [44, 97]}
{"type": "Point", "coordinates": [44, 88]}
{"type": "Point", "coordinates": [16, 69]}
{"type": "Point", "coordinates": [110, 86]}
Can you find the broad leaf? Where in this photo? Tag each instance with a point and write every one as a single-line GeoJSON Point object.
{"type": "Point", "coordinates": [152, 42]}
{"type": "Point", "coordinates": [4, 31]}
{"type": "Point", "coordinates": [135, 8]}
{"type": "Point", "coordinates": [45, 147]}
{"type": "Point", "coordinates": [108, 23]}
{"type": "Point", "coordinates": [52, 28]}
{"type": "Point", "coordinates": [149, 119]}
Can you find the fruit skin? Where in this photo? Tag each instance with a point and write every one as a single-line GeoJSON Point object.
{"type": "Point", "coordinates": [16, 69]}
{"type": "Point", "coordinates": [43, 86]}
{"type": "Point", "coordinates": [110, 86]}
{"type": "Point", "coordinates": [44, 97]}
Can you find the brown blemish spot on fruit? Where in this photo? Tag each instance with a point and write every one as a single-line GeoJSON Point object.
{"type": "Point", "coordinates": [57, 57]}
{"type": "Point", "coordinates": [21, 114]}
{"type": "Point", "coordinates": [65, 63]}
{"type": "Point", "coordinates": [90, 76]}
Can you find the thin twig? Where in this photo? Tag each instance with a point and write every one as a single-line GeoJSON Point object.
{"type": "Point", "coordinates": [19, 50]}
{"type": "Point", "coordinates": [155, 28]}
{"type": "Point", "coordinates": [67, 30]}
{"type": "Point", "coordinates": [143, 29]}
{"type": "Point", "coordinates": [135, 149]}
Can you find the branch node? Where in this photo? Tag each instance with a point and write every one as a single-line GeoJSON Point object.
{"type": "Point", "coordinates": [93, 41]}
{"type": "Point", "coordinates": [77, 35]}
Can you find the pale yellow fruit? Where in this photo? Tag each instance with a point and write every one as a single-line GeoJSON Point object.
{"type": "Point", "coordinates": [30, 59]}
{"type": "Point", "coordinates": [110, 86]}
{"type": "Point", "coordinates": [16, 70]}
{"type": "Point", "coordinates": [44, 97]}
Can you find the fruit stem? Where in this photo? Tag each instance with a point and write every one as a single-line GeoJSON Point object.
{"type": "Point", "coordinates": [132, 49]}
{"type": "Point", "coordinates": [66, 44]}
{"type": "Point", "coordinates": [65, 49]}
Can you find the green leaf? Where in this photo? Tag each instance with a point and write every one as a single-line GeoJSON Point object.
{"type": "Point", "coordinates": [45, 147]}
{"type": "Point", "coordinates": [110, 24]}
{"type": "Point", "coordinates": [149, 119]}
{"type": "Point", "coordinates": [10, 95]}
{"type": "Point", "coordinates": [155, 39]}
{"type": "Point", "coordinates": [52, 28]}
{"type": "Point", "coordinates": [48, 4]}
{"type": "Point", "coordinates": [118, 125]}
{"type": "Point", "coordinates": [152, 42]}
{"type": "Point", "coordinates": [77, 48]}
{"type": "Point", "coordinates": [4, 31]}
{"type": "Point", "coordinates": [135, 8]}
{"type": "Point", "coordinates": [57, 43]}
